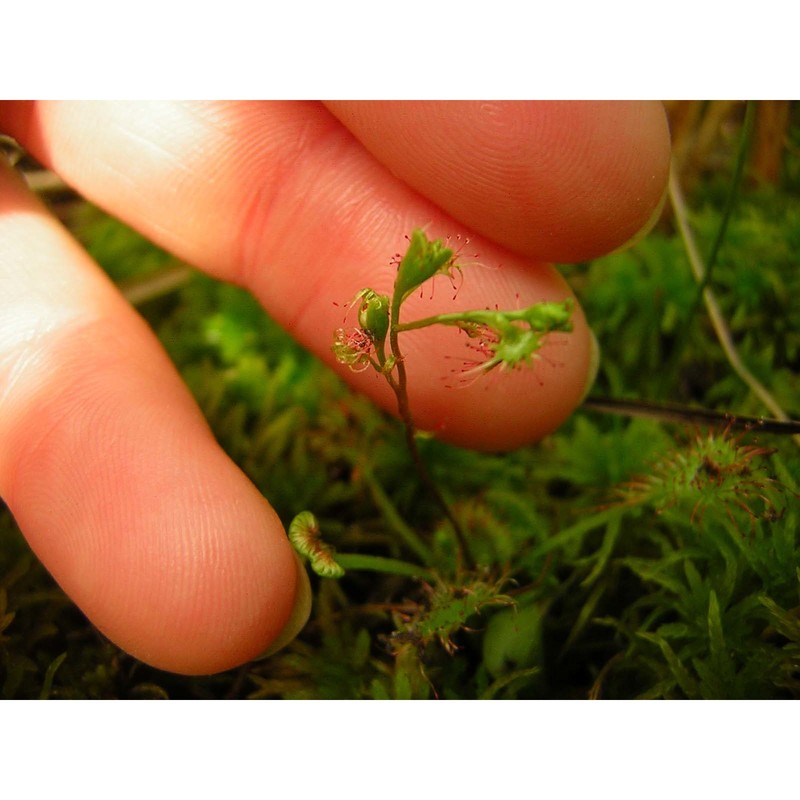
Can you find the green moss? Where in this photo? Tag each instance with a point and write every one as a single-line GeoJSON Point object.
{"type": "Point", "coordinates": [639, 558]}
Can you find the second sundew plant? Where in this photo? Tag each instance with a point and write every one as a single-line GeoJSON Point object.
{"type": "Point", "coordinates": [502, 340]}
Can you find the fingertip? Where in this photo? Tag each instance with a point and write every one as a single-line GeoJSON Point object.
{"type": "Point", "coordinates": [129, 502]}
{"type": "Point", "coordinates": [114, 476]}
{"type": "Point", "coordinates": [559, 181]}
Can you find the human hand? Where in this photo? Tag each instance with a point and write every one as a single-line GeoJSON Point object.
{"type": "Point", "coordinates": [108, 465]}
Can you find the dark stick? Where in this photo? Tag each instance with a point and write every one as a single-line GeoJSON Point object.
{"type": "Point", "coordinates": [701, 416]}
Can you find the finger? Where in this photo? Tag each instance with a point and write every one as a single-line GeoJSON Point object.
{"type": "Point", "coordinates": [562, 181]}
{"type": "Point", "coordinates": [112, 472]}
{"type": "Point", "coordinates": [281, 198]}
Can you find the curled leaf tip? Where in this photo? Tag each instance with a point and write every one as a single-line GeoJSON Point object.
{"type": "Point", "coordinates": [304, 535]}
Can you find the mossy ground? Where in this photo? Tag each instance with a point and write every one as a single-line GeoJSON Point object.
{"type": "Point", "coordinates": [621, 558]}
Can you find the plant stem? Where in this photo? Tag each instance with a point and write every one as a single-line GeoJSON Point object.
{"type": "Point", "coordinates": [391, 566]}
{"type": "Point", "coordinates": [407, 534]}
{"type": "Point", "coordinates": [399, 386]}
{"type": "Point", "coordinates": [730, 200]}
{"type": "Point", "coordinates": [686, 414]}
{"type": "Point", "coordinates": [714, 312]}
{"type": "Point", "coordinates": [703, 276]}
{"type": "Point", "coordinates": [162, 283]}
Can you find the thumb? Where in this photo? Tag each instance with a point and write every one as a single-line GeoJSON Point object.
{"type": "Point", "coordinates": [112, 473]}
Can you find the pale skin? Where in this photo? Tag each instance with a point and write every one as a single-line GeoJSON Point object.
{"type": "Point", "coordinates": [106, 462]}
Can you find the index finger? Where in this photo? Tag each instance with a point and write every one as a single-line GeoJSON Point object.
{"type": "Point", "coordinates": [561, 181]}
{"type": "Point", "coordinates": [281, 198]}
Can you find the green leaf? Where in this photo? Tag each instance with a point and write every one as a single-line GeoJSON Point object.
{"type": "Point", "coordinates": [682, 676]}
{"type": "Point", "coordinates": [604, 553]}
{"type": "Point", "coordinates": [373, 315]}
{"type": "Point", "coordinates": [513, 640]}
{"type": "Point", "coordinates": [716, 638]}
{"type": "Point", "coordinates": [423, 259]}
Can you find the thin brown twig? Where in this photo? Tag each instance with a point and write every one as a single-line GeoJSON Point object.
{"type": "Point", "coordinates": [400, 389]}
{"type": "Point", "coordinates": [687, 414]}
{"type": "Point", "coordinates": [714, 312]}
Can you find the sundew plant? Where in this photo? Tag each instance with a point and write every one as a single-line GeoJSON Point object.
{"type": "Point", "coordinates": [647, 549]}
{"type": "Point", "coordinates": [502, 339]}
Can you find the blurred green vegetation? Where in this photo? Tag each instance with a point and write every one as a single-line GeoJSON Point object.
{"type": "Point", "coordinates": [619, 558]}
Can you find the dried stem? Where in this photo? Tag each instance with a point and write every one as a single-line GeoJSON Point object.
{"type": "Point", "coordinates": [715, 314]}
{"type": "Point", "coordinates": [686, 414]}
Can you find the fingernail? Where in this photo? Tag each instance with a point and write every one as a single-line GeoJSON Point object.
{"type": "Point", "coordinates": [594, 364]}
{"type": "Point", "coordinates": [299, 616]}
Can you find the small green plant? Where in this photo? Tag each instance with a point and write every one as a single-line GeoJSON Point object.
{"type": "Point", "coordinates": [505, 339]}
{"type": "Point", "coordinates": [502, 339]}
{"type": "Point", "coordinates": [446, 611]}
{"type": "Point", "coordinates": [716, 472]}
